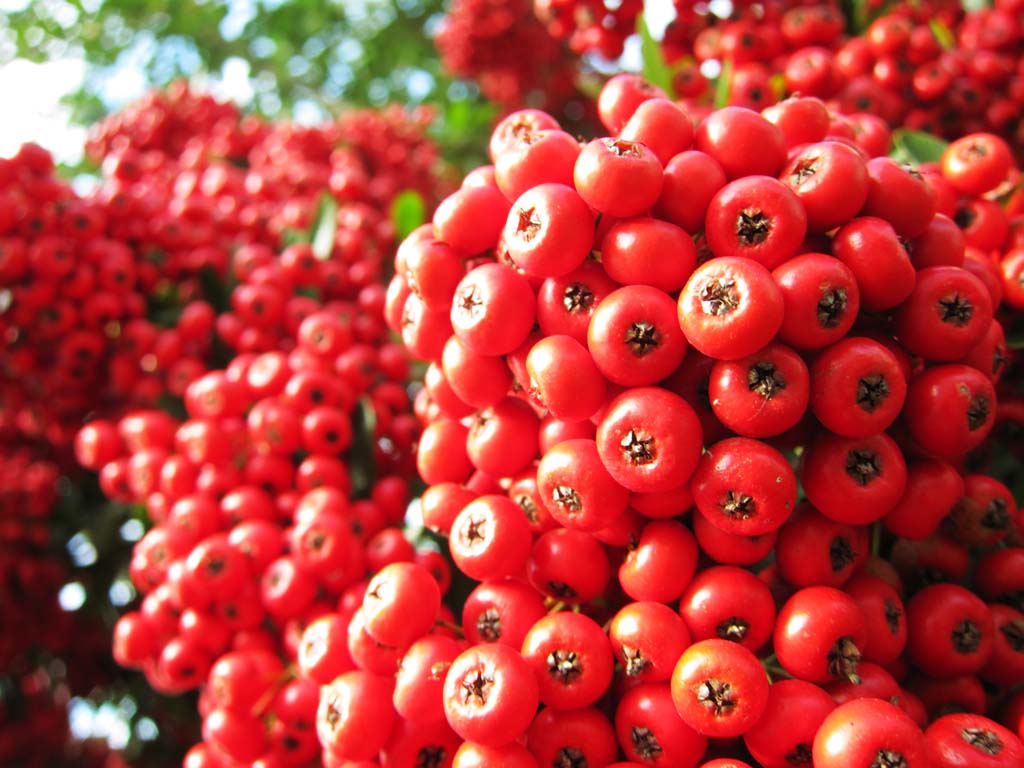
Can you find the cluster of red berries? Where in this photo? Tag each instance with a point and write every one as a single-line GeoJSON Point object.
{"type": "Point", "coordinates": [592, 26]}
{"type": "Point", "coordinates": [364, 154]}
{"type": "Point", "coordinates": [927, 66]}
{"type": "Point", "coordinates": [29, 577]}
{"type": "Point", "coordinates": [189, 211]}
{"type": "Point", "coordinates": [506, 50]}
{"type": "Point", "coordinates": [67, 289]}
{"type": "Point", "coordinates": [104, 300]}
{"type": "Point", "coordinates": [255, 465]}
{"type": "Point", "coordinates": [972, 79]}
{"type": "Point", "coordinates": [258, 530]}
{"type": "Point", "coordinates": [193, 249]}
{"type": "Point", "coordinates": [700, 424]}
{"type": "Point", "coordinates": [169, 120]}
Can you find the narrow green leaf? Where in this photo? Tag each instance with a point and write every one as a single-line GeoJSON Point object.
{"type": "Point", "coordinates": [856, 13]}
{"type": "Point", "coordinates": [916, 147]}
{"type": "Point", "coordinates": [325, 226]}
{"type": "Point", "coordinates": [723, 85]}
{"type": "Point", "coordinates": [214, 289]}
{"type": "Point", "coordinates": [362, 468]}
{"type": "Point", "coordinates": [942, 33]}
{"type": "Point", "coordinates": [656, 70]}
{"type": "Point", "coordinates": [408, 211]}
{"type": "Point", "coordinates": [976, 5]}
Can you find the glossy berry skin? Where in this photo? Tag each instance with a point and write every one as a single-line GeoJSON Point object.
{"type": "Point", "coordinates": [1011, 267]}
{"type": "Point", "coordinates": [571, 659]}
{"type": "Point", "coordinates": [650, 729]}
{"type": "Point", "coordinates": [758, 218]}
{"type": "Point", "coordinates": [501, 611]}
{"type": "Point", "coordinates": [731, 604]}
{"type": "Point", "coordinates": [950, 631]}
{"type": "Point", "coordinates": [941, 245]}
{"type": "Point", "coordinates": [564, 378]}
{"type": "Point", "coordinates": [355, 715]}
{"type": "Point", "coordinates": [761, 395]}
{"type": "Point", "coordinates": [565, 304]}
{"type": "Point", "coordinates": [477, 380]}
{"type": "Point", "coordinates": [814, 551]}
{"type": "Point", "coordinates": [801, 119]}
{"type": "Point", "coordinates": [621, 96]}
{"type": "Point", "coordinates": [730, 308]}
{"type": "Point", "coordinates": [584, 734]}
{"type": "Point", "coordinates": [647, 639]}
{"type": "Point", "coordinates": [818, 635]}
{"type": "Point", "coordinates": [549, 231]}
{"type": "Point", "coordinates": [691, 180]}
{"type": "Point", "coordinates": [731, 548]}
{"type": "Point", "coordinates": [719, 688]}
{"type": "Point", "coordinates": [649, 440]}
{"type": "Point", "coordinates": [493, 309]}
{"type": "Point", "coordinates": [661, 564]}
{"type": "Point", "coordinates": [490, 538]}
{"type": "Point", "coordinates": [858, 387]}
{"type": "Point", "coordinates": [945, 316]}
{"type": "Point", "coordinates": [473, 755]}
{"type": "Point", "coordinates": [515, 125]}
{"type": "Point", "coordinates": [854, 734]}
{"type": "Point", "coordinates": [871, 249]}
{"type": "Point", "coordinates": [830, 181]}
{"type": "Point", "coordinates": [820, 299]}
{"type": "Point", "coordinates": [552, 569]}
{"type": "Point", "coordinates": [490, 694]}
{"type": "Point", "coordinates": [933, 488]}
{"type": "Point", "coordinates": [784, 734]}
{"type": "Point", "coordinates": [577, 489]}
{"type": "Point", "coordinates": [977, 163]}
{"type": "Point", "coordinates": [985, 515]}
{"type": "Point", "coordinates": [645, 251]}
{"type": "Point", "coordinates": [884, 615]}
{"type": "Point", "coordinates": [971, 739]}
{"type": "Point", "coordinates": [743, 142]}
{"type": "Point", "coordinates": [634, 336]}
{"type": "Point", "coordinates": [662, 126]}
{"type": "Point", "coordinates": [420, 678]}
{"type": "Point", "coordinates": [470, 219]}
{"type": "Point", "coordinates": [536, 158]}
{"type": "Point", "coordinates": [617, 177]}
{"type": "Point", "coordinates": [744, 487]}
{"type": "Point", "coordinates": [854, 481]}
{"type": "Point", "coordinates": [899, 196]}
{"type": "Point", "coordinates": [950, 409]}
{"type": "Point", "coordinates": [502, 437]}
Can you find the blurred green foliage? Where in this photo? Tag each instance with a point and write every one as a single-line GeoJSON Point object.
{"type": "Point", "coordinates": [303, 59]}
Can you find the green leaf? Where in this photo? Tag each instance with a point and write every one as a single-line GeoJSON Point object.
{"type": "Point", "coordinates": [656, 70]}
{"type": "Point", "coordinates": [408, 211]}
{"type": "Point", "coordinates": [723, 85]}
{"type": "Point", "coordinates": [942, 33]}
{"type": "Point", "coordinates": [856, 13]}
{"type": "Point", "coordinates": [325, 226]}
{"type": "Point", "coordinates": [976, 5]}
{"type": "Point", "coordinates": [361, 465]}
{"type": "Point", "coordinates": [291, 236]}
{"type": "Point", "coordinates": [916, 147]}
